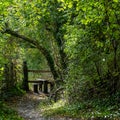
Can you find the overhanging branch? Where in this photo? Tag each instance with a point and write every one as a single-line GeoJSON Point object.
{"type": "Point", "coordinates": [42, 49]}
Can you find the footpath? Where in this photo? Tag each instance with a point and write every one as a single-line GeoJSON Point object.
{"type": "Point", "coordinates": [28, 107]}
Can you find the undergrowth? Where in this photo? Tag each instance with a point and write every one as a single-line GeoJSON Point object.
{"type": "Point", "coordinates": [100, 109]}
{"type": "Point", "coordinates": [8, 93]}
{"type": "Point", "coordinates": [8, 114]}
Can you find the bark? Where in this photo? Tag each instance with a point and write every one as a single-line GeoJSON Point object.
{"type": "Point", "coordinates": [25, 79]}
{"type": "Point", "coordinates": [42, 49]}
{"type": "Point", "coordinates": [60, 44]}
{"type": "Point", "coordinates": [98, 71]}
{"type": "Point", "coordinates": [115, 53]}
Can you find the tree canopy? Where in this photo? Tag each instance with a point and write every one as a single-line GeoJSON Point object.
{"type": "Point", "coordinates": [78, 39]}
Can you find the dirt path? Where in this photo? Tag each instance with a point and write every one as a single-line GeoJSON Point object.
{"type": "Point", "coordinates": [27, 107]}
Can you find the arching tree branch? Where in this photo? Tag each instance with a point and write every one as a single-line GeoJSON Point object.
{"type": "Point", "coordinates": [42, 49]}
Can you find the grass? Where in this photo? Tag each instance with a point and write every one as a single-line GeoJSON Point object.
{"type": "Point", "coordinates": [107, 109]}
{"type": "Point", "coordinates": [8, 114]}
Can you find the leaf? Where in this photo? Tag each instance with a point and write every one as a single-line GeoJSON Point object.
{"type": "Point", "coordinates": [115, 1]}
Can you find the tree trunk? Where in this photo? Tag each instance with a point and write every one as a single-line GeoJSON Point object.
{"type": "Point", "coordinates": [115, 54]}
{"type": "Point", "coordinates": [60, 43]}
{"type": "Point", "coordinates": [25, 79]}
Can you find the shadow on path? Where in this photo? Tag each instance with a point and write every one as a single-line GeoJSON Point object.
{"type": "Point", "coordinates": [27, 107]}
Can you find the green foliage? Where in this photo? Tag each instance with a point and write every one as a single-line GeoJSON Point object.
{"type": "Point", "coordinates": [1, 74]}
{"type": "Point", "coordinates": [92, 44]}
{"type": "Point", "coordinates": [82, 40]}
{"type": "Point", "coordinates": [106, 108]}
{"type": "Point", "coordinates": [34, 59]}
{"type": "Point", "coordinates": [8, 114]}
{"type": "Point", "coordinates": [8, 93]}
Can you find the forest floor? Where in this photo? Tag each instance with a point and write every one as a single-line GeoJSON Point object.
{"type": "Point", "coordinates": [28, 107]}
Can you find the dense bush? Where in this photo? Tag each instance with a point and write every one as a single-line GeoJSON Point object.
{"type": "Point", "coordinates": [12, 92]}
{"type": "Point", "coordinates": [8, 114]}
{"type": "Point", "coordinates": [92, 46]}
